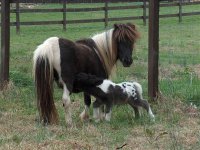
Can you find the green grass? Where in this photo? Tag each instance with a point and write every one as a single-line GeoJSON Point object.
{"type": "Point", "coordinates": [177, 123]}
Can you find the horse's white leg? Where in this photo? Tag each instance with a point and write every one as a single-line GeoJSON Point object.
{"type": "Point", "coordinates": [85, 114]}
{"type": "Point", "coordinates": [67, 106]}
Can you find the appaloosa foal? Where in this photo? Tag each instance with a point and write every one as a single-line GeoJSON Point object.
{"type": "Point", "coordinates": [109, 93]}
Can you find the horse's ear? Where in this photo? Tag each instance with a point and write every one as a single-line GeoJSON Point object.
{"type": "Point", "coordinates": [131, 25]}
{"type": "Point", "coordinates": [116, 26]}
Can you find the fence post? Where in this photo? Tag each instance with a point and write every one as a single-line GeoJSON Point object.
{"type": "Point", "coordinates": [180, 10]}
{"type": "Point", "coordinates": [144, 12]}
{"type": "Point", "coordinates": [106, 13]}
{"type": "Point", "coordinates": [5, 43]}
{"type": "Point", "coordinates": [17, 17]}
{"type": "Point", "coordinates": [153, 55]}
{"type": "Point", "coordinates": [64, 14]}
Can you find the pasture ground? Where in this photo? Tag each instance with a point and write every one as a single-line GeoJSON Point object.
{"type": "Point", "coordinates": [177, 124]}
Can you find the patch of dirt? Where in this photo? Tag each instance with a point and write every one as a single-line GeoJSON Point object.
{"type": "Point", "coordinates": [192, 111]}
{"type": "Point", "coordinates": [167, 72]}
{"type": "Point", "coordinates": [196, 69]}
{"type": "Point", "coordinates": [172, 71]}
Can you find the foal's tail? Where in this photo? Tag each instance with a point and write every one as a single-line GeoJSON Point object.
{"type": "Point", "coordinates": [138, 90]}
{"type": "Point", "coordinates": [43, 71]}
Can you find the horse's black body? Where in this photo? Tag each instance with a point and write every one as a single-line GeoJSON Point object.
{"type": "Point", "coordinates": [61, 59]}
{"type": "Point", "coordinates": [82, 58]}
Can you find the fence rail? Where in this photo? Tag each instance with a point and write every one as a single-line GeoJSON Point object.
{"type": "Point", "coordinates": [89, 1]}
{"type": "Point", "coordinates": [144, 5]}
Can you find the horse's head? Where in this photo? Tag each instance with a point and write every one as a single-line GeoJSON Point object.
{"type": "Point", "coordinates": [125, 36]}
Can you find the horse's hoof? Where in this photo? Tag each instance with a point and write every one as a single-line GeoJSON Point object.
{"type": "Point", "coordinates": [69, 125]}
{"type": "Point", "coordinates": [84, 116]}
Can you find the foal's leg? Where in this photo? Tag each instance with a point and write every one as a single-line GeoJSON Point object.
{"type": "Point", "coordinates": [135, 107]}
{"type": "Point", "coordinates": [145, 105]}
{"type": "Point", "coordinates": [85, 114]}
{"type": "Point", "coordinates": [108, 112]}
{"type": "Point", "coordinates": [96, 110]}
{"type": "Point", "coordinates": [137, 113]}
{"type": "Point", "coordinates": [102, 112]}
{"type": "Point", "coordinates": [67, 105]}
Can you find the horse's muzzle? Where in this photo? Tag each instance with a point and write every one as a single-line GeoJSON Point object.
{"type": "Point", "coordinates": [127, 62]}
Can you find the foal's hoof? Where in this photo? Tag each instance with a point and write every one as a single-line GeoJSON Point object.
{"type": "Point", "coordinates": [102, 116]}
{"type": "Point", "coordinates": [97, 120]}
{"type": "Point", "coordinates": [107, 119]}
{"type": "Point", "coordinates": [152, 119]}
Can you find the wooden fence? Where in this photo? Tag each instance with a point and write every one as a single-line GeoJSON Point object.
{"type": "Point", "coordinates": [144, 5]}
{"type": "Point", "coordinates": [89, 1]}
{"type": "Point", "coordinates": [75, 1]}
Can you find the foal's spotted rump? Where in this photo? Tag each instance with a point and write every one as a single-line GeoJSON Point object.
{"type": "Point", "coordinates": [130, 88]}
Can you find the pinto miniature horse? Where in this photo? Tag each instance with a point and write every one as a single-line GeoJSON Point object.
{"type": "Point", "coordinates": [109, 93]}
{"type": "Point", "coordinates": [59, 60]}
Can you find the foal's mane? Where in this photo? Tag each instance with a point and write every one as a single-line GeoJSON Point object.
{"type": "Point", "coordinates": [107, 43]}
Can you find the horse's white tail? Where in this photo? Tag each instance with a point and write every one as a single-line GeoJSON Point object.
{"type": "Point", "coordinates": [43, 64]}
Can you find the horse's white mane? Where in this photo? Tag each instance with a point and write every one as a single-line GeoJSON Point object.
{"type": "Point", "coordinates": [107, 50]}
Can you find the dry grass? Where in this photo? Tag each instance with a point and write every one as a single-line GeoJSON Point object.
{"type": "Point", "coordinates": [175, 128]}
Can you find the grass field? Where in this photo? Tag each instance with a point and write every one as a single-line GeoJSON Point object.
{"type": "Point", "coordinates": [177, 124]}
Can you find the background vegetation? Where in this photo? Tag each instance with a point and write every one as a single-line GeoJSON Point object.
{"type": "Point", "coordinates": [177, 124]}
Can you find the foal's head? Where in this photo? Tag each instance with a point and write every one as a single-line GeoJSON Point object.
{"type": "Point", "coordinates": [125, 36]}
